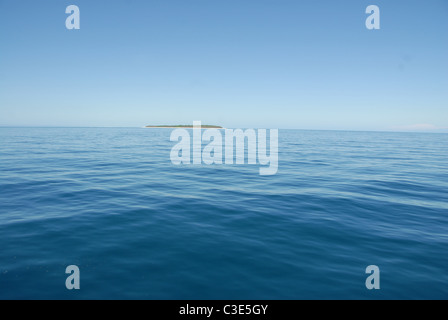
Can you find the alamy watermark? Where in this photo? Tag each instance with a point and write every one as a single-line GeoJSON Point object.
{"type": "Point", "coordinates": [373, 280]}
{"type": "Point", "coordinates": [72, 22]}
{"type": "Point", "coordinates": [73, 280]}
{"type": "Point", "coordinates": [226, 146]}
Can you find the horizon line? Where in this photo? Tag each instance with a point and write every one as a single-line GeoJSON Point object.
{"type": "Point", "coordinates": [436, 131]}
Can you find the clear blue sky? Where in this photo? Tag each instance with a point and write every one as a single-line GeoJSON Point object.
{"type": "Point", "coordinates": [238, 63]}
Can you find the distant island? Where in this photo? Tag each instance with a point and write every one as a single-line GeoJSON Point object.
{"type": "Point", "coordinates": [206, 126]}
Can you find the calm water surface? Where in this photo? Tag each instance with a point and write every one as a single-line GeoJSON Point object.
{"type": "Point", "coordinates": [110, 201]}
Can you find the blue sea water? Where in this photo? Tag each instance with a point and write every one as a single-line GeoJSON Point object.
{"type": "Point", "coordinates": [110, 201]}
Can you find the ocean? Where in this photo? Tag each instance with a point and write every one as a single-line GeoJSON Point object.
{"type": "Point", "coordinates": [110, 201]}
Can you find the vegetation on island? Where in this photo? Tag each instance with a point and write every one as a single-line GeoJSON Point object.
{"type": "Point", "coordinates": [206, 126]}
